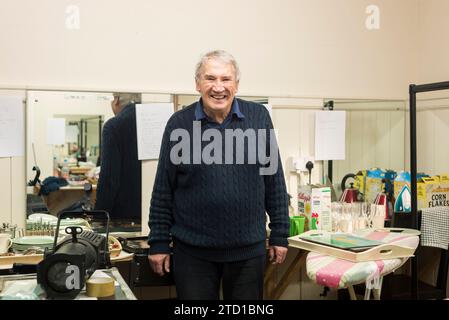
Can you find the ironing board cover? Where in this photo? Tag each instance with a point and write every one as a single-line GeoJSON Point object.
{"type": "Point", "coordinates": [337, 273]}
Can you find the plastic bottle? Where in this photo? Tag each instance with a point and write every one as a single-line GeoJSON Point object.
{"type": "Point", "coordinates": [55, 167]}
{"type": "Point", "coordinates": [65, 171]}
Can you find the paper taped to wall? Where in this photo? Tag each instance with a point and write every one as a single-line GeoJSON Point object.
{"type": "Point", "coordinates": [330, 135]}
{"type": "Point", "coordinates": [151, 119]}
{"type": "Point", "coordinates": [12, 127]}
{"type": "Point", "coordinates": [56, 131]}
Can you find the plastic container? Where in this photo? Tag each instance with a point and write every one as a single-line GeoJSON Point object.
{"type": "Point", "coordinates": [55, 167]}
{"type": "Point", "coordinates": [65, 171]}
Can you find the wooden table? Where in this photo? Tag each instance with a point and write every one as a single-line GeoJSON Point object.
{"type": "Point", "coordinates": [122, 291]}
{"type": "Point", "coordinates": [65, 196]}
{"type": "Point", "coordinates": [273, 291]}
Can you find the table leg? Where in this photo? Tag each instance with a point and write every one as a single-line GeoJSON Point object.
{"type": "Point", "coordinates": [352, 293]}
{"type": "Point", "coordinates": [377, 291]}
{"type": "Point", "coordinates": [269, 280]}
{"type": "Point", "coordinates": [288, 275]}
{"type": "Point", "coordinates": [367, 294]}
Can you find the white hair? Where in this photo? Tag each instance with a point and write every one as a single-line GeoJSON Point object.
{"type": "Point", "coordinates": [220, 55]}
{"type": "Point", "coordinates": [127, 98]}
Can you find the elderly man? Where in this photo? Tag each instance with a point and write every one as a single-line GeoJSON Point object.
{"type": "Point", "coordinates": [119, 185]}
{"type": "Point", "coordinates": [210, 199]}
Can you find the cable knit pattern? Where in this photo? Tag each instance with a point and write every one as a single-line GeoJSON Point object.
{"type": "Point", "coordinates": [217, 211]}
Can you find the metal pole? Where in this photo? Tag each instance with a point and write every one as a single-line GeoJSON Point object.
{"type": "Point", "coordinates": [84, 149]}
{"type": "Point", "coordinates": [430, 87]}
{"type": "Point", "coordinates": [81, 136]}
{"type": "Point", "coordinates": [329, 170]}
{"type": "Point", "coordinates": [413, 89]}
{"type": "Point", "coordinates": [413, 184]}
{"type": "Point", "coordinates": [99, 136]}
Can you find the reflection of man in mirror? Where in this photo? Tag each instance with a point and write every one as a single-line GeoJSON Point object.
{"type": "Point", "coordinates": [119, 185]}
{"type": "Point", "coordinates": [214, 211]}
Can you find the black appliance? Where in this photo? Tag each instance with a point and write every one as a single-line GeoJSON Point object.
{"type": "Point", "coordinates": [68, 265]}
{"type": "Point", "coordinates": [140, 272]}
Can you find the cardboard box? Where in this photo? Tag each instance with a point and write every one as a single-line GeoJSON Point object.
{"type": "Point", "coordinates": [321, 218]}
{"type": "Point", "coordinates": [314, 202]}
{"type": "Point", "coordinates": [304, 203]}
{"type": "Point", "coordinates": [433, 192]}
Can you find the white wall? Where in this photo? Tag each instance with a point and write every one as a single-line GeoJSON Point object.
{"type": "Point", "coordinates": [432, 122]}
{"type": "Point", "coordinates": [295, 121]}
{"type": "Point", "coordinates": [13, 180]}
{"type": "Point", "coordinates": [375, 133]}
{"type": "Point", "coordinates": [285, 48]}
{"type": "Point", "coordinates": [432, 42]}
{"type": "Point", "coordinates": [149, 167]}
{"type": "Point", "coordinates": [432, 46]}
{"type": "Point", "coordinates": [318, 48]}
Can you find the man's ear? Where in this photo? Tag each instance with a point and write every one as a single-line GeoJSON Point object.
{"type": "Point", "coordinates": [197, 84]}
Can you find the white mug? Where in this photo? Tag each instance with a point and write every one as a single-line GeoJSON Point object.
{"type": "Point", "coordinates": [5, 242]}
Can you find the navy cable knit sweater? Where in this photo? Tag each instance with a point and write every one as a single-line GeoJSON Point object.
{"type": "Point", "coordinates": [217, 211]}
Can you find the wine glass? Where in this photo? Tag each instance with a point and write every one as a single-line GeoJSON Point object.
{"type": "Point", "coordinates": [336, 209]}
{"type": "Point", "coordinates": [368, 214]}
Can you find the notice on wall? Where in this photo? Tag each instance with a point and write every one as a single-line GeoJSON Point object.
{"type": "Point", "coordinates": [12, 127]}
{"type": "Point", "coordinates": [71, 133]}
{"type": "Point", "coordinates": [330, 135]}
{"type": "Point", "coordinates": [151, 119]}
{"type": "Point", "coordinates": [56, 131]}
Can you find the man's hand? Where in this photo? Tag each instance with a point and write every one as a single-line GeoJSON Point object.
{"type": "Point", "coordinates": [277, 254]}
{"type": "Point", "coordinates": [159, 263]}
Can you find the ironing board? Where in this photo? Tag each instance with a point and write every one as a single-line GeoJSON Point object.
{"type": "Point", "coordinates": [337, 273]}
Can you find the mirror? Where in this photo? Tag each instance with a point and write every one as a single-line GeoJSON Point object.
{"type": "Point", "coordinates": [64, 140]}
{"type": "Point", "coordinates": [81, 149]}
{"type": "Point", "coordinates": [375, 137]}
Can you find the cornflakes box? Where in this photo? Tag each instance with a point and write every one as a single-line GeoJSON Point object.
{"type": "Point", "coordinates": [433, 192]}
{"type": "Point", "coordinates": [373, 184]}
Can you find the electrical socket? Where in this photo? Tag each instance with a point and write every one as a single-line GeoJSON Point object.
{"type": "Point", "coordinates": [299, 164]}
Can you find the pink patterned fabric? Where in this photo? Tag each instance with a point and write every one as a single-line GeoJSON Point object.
{"type": "Point", "coordinates": [379, 236]}
{"type": "Point", "coordinates": [338, 273]}
{"type": "Point", "coordinates": [331, 274]}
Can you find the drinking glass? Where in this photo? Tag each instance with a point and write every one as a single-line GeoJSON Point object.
{"type": "Point", "coordinates": [379, 216]}
{"type": "Point", "coordinates": [346, 218]}
{"type": "Point", "coordinates": [336, 210]}
{"type": "Point", "coordinates": [358, 221]}
{"type": "Point", "coordinates": [367, 214]}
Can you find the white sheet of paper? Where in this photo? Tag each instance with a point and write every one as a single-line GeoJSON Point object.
{"type": "Point", "coordinates": [56, 131]}
{"type": "Point", "coordinates": [12, 127]}
{"type": "Point", "coordinates": [71, 133]}
{"type": "Point", "coordinates": [330, 135]}
{"type": "Point", "coordinates": [151, 119]}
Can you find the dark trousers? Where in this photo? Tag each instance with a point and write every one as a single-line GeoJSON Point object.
{"type": "Point", "coordinates": [198, 279]}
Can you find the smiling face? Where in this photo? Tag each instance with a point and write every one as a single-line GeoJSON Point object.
{"type": "Point", "coordinates": [217, 85]}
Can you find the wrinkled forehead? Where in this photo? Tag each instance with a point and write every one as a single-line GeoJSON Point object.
{"type": "Point", "coordinates": [218, 68]}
